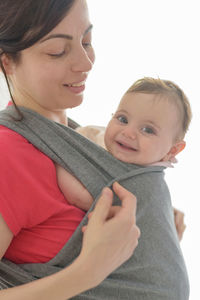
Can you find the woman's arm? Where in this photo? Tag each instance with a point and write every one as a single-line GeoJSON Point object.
{"type": "Point", "coordinates": [179, 222]}
{"type": "Point", "coordinates": [99, 256]}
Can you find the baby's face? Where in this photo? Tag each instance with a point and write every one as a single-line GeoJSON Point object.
{"type": "Point", "coordinates": [143, 129]}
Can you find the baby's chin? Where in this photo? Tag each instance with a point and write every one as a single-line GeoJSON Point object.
{"type": "Point", "coordinates": [124, 158]}
{"type": "Point", "coordinates": [129, 160]}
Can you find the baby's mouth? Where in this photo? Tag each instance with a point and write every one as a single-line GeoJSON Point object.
{"type": "Point", "coordinates": [126, 146]}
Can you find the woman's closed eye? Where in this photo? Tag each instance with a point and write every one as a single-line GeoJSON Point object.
{"type": "Point", "coordinates": [59, 54]}
{"type": "Point", "coordinates": [87, 45]}
{"type": "Point", "coordinates": [87, 40]}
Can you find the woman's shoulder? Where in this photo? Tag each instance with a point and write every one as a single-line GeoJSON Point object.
{"type": "Point", "coordinates": [10, 142]}
{"type": "Point", "coordinates": [22, 162]}
{"type": "Point", "coordinates": [9, 136]}
{"type": "Point", "coordinates": [14, 147]}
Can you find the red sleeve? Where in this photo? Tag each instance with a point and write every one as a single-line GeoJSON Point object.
{"type": "Point", "coordinates": [25, 187]}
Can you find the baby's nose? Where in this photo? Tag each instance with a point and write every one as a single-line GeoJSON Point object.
{"type": "Point", "coordinates": [129, 132]}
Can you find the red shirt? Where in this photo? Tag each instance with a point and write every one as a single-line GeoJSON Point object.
{"type": "Point", "coordinates": [31, 202]}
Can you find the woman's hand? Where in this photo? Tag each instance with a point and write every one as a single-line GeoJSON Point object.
{"type": "Point", "coordinates": [111, 235]}
{"type": "Point", "coordinates": [179, 222]}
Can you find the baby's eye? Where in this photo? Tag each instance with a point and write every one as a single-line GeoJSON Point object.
{"type": "Point", "coordinates": [148, 130]}
{"type": "Point", "coordinates": [122, 119]}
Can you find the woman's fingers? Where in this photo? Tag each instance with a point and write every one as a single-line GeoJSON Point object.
{"type": "Point", "coordinates": [115, 223]}
{"type": "Point", "coordinates": [104, 209]}
{"type": "Point", "coordinates": [127, 198]}
{"type": "Point", "coordinates": [103, 206]}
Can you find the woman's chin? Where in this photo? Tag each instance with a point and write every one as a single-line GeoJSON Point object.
{"type": "Point", "coordinates": [74, 102]}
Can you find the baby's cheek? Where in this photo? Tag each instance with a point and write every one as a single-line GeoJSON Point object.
{"type": "Point", "coordinates": [108, 139]}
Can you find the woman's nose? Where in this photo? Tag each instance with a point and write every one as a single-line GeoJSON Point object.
{"type": "Point", "coordinates": [83, 60]}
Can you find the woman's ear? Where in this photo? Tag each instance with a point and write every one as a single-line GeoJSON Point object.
{"type": "Point", "coordinates": [176, 148]}
{"type": "Point", "coordinates": [7, 63]}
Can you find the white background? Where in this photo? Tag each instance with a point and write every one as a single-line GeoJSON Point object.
{"type": "Point", "coordinates": [136, 38]}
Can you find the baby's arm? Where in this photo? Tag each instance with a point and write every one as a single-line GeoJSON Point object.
{"type": "Point", "coordinates": [73, 190]}
{"type": "Point", "coordinates": [93, 133]}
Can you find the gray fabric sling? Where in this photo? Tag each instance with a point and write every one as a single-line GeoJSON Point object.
{"type": "Point", "coordinates": [156, 271]}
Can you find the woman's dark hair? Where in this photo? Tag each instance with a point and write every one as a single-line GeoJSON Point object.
{"type": "Point", "coordinates": [24, 22]}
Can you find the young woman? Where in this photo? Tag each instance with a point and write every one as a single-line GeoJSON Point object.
{"type": "Point", "coordinates": [46, 56]}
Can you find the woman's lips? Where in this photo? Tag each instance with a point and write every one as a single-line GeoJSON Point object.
{"type": "Point", "coordinates": [76, 88]}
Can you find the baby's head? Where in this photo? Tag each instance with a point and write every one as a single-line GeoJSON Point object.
{"type": "Point", "coordinates": [150, 123]}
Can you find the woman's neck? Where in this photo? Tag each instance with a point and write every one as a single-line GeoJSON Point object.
{"type": "Point", "coordinates": [56, 115]}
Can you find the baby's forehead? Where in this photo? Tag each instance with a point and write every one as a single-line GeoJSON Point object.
{"type": "Point", "coordinates": [173, 103]}
{"type": "Point", "coordinates": [148, 100]}
{"type": "Point", "coordinates": [153, 105]}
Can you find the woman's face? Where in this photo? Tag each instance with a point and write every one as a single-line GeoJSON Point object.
{"type": "Point", "coordinates": [51, 74]}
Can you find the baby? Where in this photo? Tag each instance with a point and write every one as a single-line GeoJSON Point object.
{"type": "Point", "coordinates": [148, 128]}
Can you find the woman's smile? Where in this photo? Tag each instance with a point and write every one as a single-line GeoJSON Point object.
{"type": "Point", "coordinates": [77, 87]}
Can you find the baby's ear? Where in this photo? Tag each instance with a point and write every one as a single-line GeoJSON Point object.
{"type": "Point", "coordinates": [176, 148]}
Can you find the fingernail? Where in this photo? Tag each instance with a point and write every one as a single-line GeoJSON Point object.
{"type": "Point", "coordinates": [106, 191]}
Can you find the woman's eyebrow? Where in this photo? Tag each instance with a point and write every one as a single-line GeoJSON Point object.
{"type": "Point", "coordinates": [65, 36]}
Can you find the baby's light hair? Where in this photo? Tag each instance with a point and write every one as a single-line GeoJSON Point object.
{"type": "Point", "coordinates": [149, 85]}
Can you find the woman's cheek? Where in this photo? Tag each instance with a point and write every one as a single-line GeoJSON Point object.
{"type": "Point", "coordinates": [91, 55]}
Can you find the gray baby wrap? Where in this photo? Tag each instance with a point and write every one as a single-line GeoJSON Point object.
{"type": "Point", "coordinates": [156, 271]}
